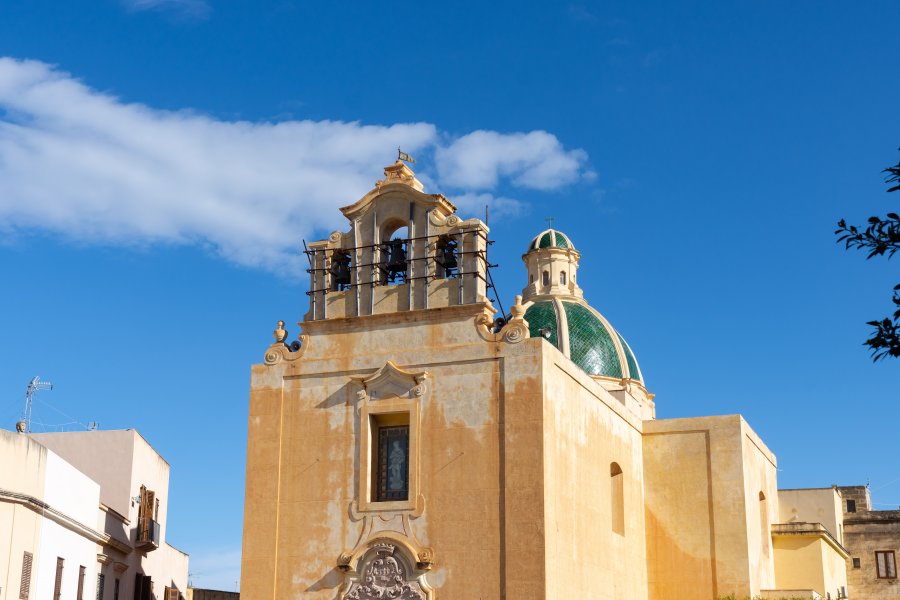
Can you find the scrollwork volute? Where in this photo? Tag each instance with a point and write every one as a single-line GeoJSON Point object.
{"type": "Point", "coordinates": [514, 331]}
{"type": "Point", "coordinates": [386, 573]}
{"type": "Point", "coordinates": [280, 350]}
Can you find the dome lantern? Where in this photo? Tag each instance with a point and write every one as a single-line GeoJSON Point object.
{"type": "Point", "coordinates": [552, 263]}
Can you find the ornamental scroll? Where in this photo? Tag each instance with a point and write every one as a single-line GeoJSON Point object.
{"type": "Point", "coordinates": [385, 576]}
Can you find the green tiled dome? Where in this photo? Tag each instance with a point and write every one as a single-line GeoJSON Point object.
{"type": "Point", "coordinates": [592, 342]}
{"type": "Point", "coordinates": [550, 238]}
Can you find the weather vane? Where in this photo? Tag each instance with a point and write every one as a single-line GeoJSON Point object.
{"type": "Point", "coordinates": [401, 155]}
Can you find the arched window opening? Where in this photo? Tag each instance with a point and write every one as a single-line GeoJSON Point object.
{"type": "Point", "coordinates": [340, 270]}
{"type": "Point", "coordinates": [617, 498]}
{"type": "Point", "coordinates": [562, 278]}
{"type": "Point", "coordinates": [531, 278]}
{"type": "Point", "coordinates": [394, 251]}
{"type": "Point", "coordinates": [764, 524]}
{"type": "Point", "coordinates": [546, 278]}
{"type": "Point", "coordinates": [447, 257]}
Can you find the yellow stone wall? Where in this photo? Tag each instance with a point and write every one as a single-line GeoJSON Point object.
{"type": "Point", "coordinates": [585, 431]}
{"type": "Point", "coordinates": [809, 562]}
{"type": "Point", "coordinates": [480, 475]}
{"type": "Point", "coordinates": [813, 505]}
{"type": "Point", "coordinates": [702, 480]}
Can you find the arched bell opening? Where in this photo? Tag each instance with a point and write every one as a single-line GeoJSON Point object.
{"type": "Point", "coordinates": [394, 249]}
{"type": "Point", "coordinates": [446, 257]}
{"type": "Point", "coordinates": [339, 270]}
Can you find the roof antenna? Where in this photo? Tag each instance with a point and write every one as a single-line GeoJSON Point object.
{"type": "Point", "coordinates": [35, 385]}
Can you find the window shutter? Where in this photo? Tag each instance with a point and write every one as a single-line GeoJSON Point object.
{"type": "Point", "coordinates": [101, 579]}
{"type": "Point", "coordinates": [25, 586]}
{"type": "Point", "coordinates": [57, 586]}
{"type": "Point", "coordinates": [172, 594]}
{"type": "Point", "coordinates": [80, 594]}
{"type": "Point", "coordinates": [138, 586]}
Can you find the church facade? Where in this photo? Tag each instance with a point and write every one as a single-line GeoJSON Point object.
{"type": "Point", "coordinates": [410, 444]}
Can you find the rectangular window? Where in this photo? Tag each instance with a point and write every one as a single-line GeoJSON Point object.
{"type": "Point", "coordinates": [57, 585]}
{"type": "Point", "coordinates": [885, 567]}
{"type": "Point", "coordinates": [855, 563]}
{"type": "Point", "coordinates": [389, 449]}
{"type": "Point", "coordinates": [143, 587]}
{"type": "Point", "coordinates": [80, 593]}
{"type": "Point", "coordinates": [116, 590]}
{"type": "Point", "coordinates": [101, 579]}
{"type": "Point", "coordinates": [25, 585]}
{"type": "Point", "coordinates": [392, 463]}
{"type": "Point", "coordinates": [851, 506]}
{"type": "Point", "coordinates": [171, 593]}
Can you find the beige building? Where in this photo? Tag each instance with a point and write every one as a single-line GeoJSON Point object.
{"type": "Point", "coordinates": [873, 541]}
{"type": "Point", "coordinates": [85, 514]}
{"type": "Point", "coordinates": [411, 445]}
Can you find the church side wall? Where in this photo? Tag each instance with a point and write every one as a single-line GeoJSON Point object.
{"type": "Point", "coordinates": [704, 526]}
{"type": "Point", "coordinates": [594, 519]}
{"type": "Point", "coordinates": [761, 492]}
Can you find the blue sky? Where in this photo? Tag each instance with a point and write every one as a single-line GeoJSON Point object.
{"type": "Point", "coordinates": [160, 161]}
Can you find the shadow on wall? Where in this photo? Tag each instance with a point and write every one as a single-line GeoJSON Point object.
{"type": "Point", "coordinates": [666, 558]}
{"type": "Point", "coordinates": [330, 581]}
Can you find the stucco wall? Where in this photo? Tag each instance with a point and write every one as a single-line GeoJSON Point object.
{"type": "Point", "coordinates": [809, 562]}
{"type": "Point", "coordinates": [813, 505]}
{"type": "Point", "coordinates": [72, 492]}
{"type": "Point", "coordinates": [32, 479]}
{"type": "Point", "coordinates": [704, 532]}
{"type": "Point", "coordinates": [23, 472]}
{"type": "Point", "coordinates": [104, 456]}
{"type": "Point", "coordinates": [304, 459]}
{"type": "Point", "coordinates": [587, 430]}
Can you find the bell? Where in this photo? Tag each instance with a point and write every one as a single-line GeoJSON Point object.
{"type": "Point", "coordinates": [340, 270]}
{"type": "Point", "coordinates": [448, 257]}
{"type": "Point", "coordinates": [396, 263]}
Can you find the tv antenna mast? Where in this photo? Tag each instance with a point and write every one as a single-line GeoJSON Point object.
{"type": "Point", "coordinates": [34, 386]}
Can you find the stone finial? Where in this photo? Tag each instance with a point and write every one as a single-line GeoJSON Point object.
{"type": "Point", "coordinates": [517, 310]}
{"type": "Point", "coordinates": [399, 172]}
{"type": "Point", "coordinates": [280, 333]}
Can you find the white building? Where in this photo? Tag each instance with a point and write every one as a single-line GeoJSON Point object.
{"type": "Point", "coordinates": [85, 516]}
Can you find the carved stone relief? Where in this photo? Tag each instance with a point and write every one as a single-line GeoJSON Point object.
{"type": "Point", "coordinates": [385, 575]}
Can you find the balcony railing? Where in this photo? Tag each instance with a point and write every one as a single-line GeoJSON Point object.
{"type": "Point", "coordinates": [147, 535]}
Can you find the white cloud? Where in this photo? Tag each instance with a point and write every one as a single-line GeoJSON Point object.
{"type": "Point", "coordinates": [536, 159]}
{"type": "Point", "coordinates": [474, 203]}
{"type": "Point", "coordinates": [89, 167]}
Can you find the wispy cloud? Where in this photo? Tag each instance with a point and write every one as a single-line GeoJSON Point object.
{"type": "Point", "coordinates": [536, 160]}
{"type": "Point", "coordinates": [185, 8]}
{"type": "Point", "coordinates": [92, 168]}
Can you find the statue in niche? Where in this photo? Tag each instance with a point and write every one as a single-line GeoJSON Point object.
{"type": "Point", "coordinates": [385, 576]}
{"type": "Point", "coordinates": [396, 462]}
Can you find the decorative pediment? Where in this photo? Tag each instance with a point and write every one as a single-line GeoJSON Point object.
{"type": "Point", "coordinates": [400, 180]}
{"type": "Point", "coordinates": [391, 380]}
{"type": "Point", "coordinates": [387, 566]}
